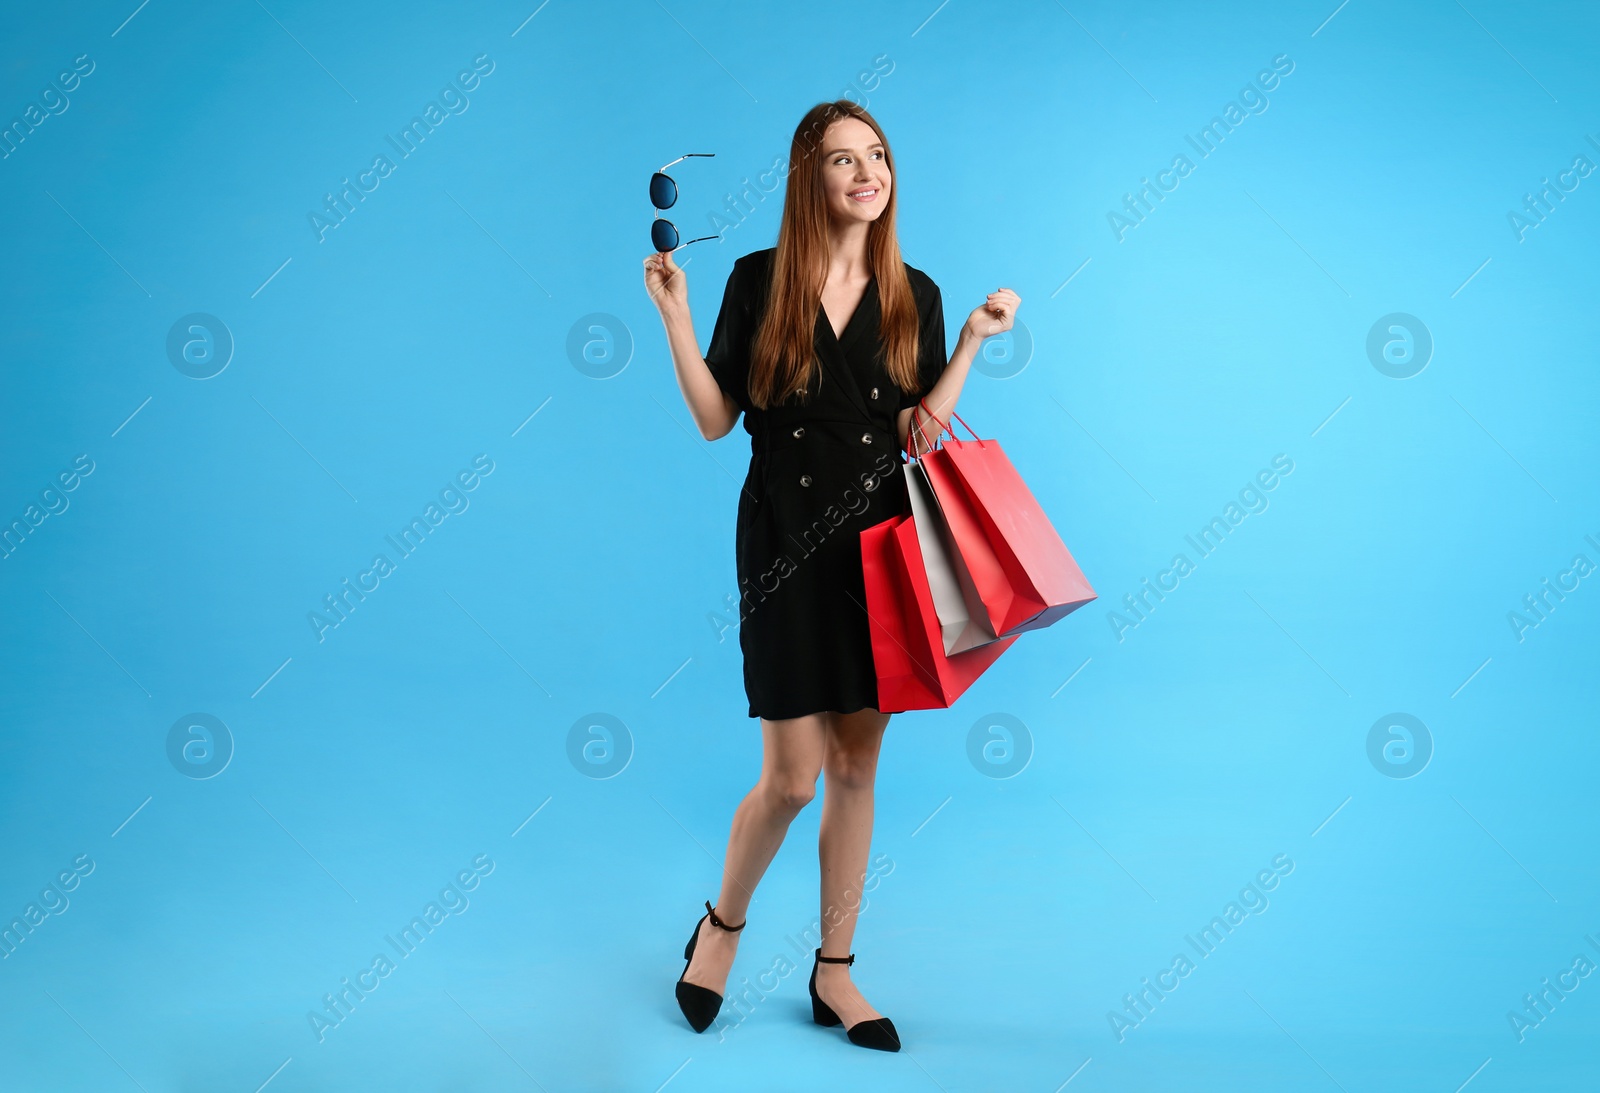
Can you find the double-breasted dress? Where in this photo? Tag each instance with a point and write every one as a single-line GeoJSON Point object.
{"type": "Point", "coordinates": [820, 473]}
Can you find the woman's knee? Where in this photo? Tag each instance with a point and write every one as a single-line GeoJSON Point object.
{"type": "Point", "coordinates": [792, 760]}
{"type": "Point", "coordinates": [790, 792]}
{"type": "Point", "coordinates": [853, 742]}
{"type": "Point", "coordinates": [852, 767]}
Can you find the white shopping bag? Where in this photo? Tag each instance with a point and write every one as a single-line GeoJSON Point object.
{"type": "Point", "coordinates": [962, 618]}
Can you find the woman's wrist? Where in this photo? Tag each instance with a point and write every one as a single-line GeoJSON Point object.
{"type": "Point", "coordinates": [967, 348]}
{"type": "Point", "coordinates": [673, 314]}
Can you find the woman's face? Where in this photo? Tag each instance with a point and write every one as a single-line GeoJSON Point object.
{"type": "Point", "coordinates": [855, 171]}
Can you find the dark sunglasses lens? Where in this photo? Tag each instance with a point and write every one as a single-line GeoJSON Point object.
{"type": "Point", "coordinates": [663, 191]}
{"type": "Point", "coordinates": [664, 235]}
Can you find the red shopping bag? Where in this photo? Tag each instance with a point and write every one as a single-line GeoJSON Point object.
{"type": "Point", "coordinates": [907, 647]}
{"type": "Point", "coordinates": [1024, 574]}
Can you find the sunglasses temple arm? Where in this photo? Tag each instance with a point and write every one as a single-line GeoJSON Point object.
{"type": "Point", "coordinates": [702, 239]}
{"type": "Point", "coordinates": [685, 156]}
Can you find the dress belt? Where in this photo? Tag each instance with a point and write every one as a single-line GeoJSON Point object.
{"type": "Point", "coordinates": [871, 438]}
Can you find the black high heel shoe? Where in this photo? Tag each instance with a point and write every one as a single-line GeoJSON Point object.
{"type": "Point", "coordinates": [700, 1004]}
{"type": "Point", "coordinates": [877, 1033]}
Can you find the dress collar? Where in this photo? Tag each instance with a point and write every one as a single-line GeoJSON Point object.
{"type": "Point", "coordinates": [857, 318]}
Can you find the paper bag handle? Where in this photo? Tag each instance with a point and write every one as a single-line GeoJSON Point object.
{"type": "Point", "coordinates": [944, 427]}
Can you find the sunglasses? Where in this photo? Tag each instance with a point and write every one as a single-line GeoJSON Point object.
{"type": "Point", "coordinates": [663, 195]}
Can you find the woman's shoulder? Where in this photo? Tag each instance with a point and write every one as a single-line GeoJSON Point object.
{"type": "Point", "coordinates": [751, 276]}
{"type": "Point", "coordinates": [756, 261]}
{"type": "Point", "coordinates": [923, 287]}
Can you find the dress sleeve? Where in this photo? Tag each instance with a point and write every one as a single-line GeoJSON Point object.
{"type": "Point", "coordinates": [728, 356]}
{"type": "Point", "coordinates": [931, 355]}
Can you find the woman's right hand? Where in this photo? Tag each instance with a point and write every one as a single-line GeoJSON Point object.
{"type": "Point", "coordinates": [664, 279]}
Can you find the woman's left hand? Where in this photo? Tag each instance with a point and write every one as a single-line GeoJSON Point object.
{"type": "Point", "coordinates": [995, 316]}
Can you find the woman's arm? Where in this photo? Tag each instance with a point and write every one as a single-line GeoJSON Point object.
{"type": "Point", "coordinates": [714, 412]}
{"type": "Point", "coordinates": [995, 316]}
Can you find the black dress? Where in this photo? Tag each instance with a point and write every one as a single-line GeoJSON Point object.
{"type": "Point", "coordinates": [820, 473]}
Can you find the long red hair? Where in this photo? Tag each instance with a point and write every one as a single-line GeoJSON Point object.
{"type": "Point", "coordinates": [783, 357]}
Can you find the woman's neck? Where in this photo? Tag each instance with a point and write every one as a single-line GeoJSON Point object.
{"type": "Point", "coordinates": [847, 253]}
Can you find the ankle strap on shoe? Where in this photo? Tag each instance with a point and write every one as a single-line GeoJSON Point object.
{"type": "Point", "coordinates": [851, 959]}
{"type": "Point", "coordinates": [715, 921]}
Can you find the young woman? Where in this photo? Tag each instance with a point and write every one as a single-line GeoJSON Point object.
{"type": "Point", "coordinates": [825, 344]}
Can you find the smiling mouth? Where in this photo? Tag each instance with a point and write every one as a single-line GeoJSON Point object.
{"type": "Point", "coordinates": [863, 195]}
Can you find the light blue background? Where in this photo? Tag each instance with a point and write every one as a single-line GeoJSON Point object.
{"type": "Point", "coordinates": [586, 574]}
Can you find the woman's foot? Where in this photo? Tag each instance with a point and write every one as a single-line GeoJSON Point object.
{"type": "Point", "coordinates": [874, 1032]}
{"type": "Point", "coordinates": [713, 957]}
{"type": "Point", "coordinates": [835, 988]}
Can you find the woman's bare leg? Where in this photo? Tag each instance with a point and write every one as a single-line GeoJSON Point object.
{"type": "Point", "coordinates": [850, 767]}
{"type": "Point", "coordinates": [791, 759]}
